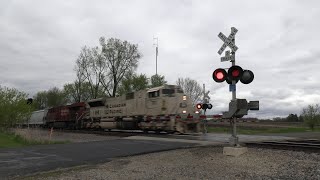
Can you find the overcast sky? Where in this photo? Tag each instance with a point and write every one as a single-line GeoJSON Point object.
{"type": "Point", "coordinates": [277, 40]}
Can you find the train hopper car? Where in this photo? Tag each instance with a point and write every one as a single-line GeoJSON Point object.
{"type": "Point", "coordinates": [37, 119]}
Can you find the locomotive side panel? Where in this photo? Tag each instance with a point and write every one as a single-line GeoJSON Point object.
{"type": "Point", "coordinates": [140, 103]}
{"type": "Point", "coordinates": [130, 100]}
{"type": "Point", "coordinates": [115, 107]}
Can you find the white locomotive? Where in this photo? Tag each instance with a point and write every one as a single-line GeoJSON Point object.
{"type": "Point", "coordinates": [164, 108]}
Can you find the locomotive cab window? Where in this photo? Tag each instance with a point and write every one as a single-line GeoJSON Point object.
{"type": "Point", "coordinates": [154, 94]}
{"type": "Point", "coordinates": [96, 103]}
{"type": "Point", "coordinates": [168, 92]}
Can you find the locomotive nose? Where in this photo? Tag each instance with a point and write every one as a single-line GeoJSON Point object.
{"type": "Point", "coordinates": [183, 105]}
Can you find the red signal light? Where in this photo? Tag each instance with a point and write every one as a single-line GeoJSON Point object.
{"type": "Point", "coordinates": [235, 72]}
{"type": "Point", "coordinates": [199, 106]}
{"type": "Point", "coordinates": [219, 75]}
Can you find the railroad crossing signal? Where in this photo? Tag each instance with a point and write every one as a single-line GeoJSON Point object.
{"type": "Point", "coordinates": [204, 106]}
{"type": "Point", "coordinates": [29, 101]}
{"type": "Point", "coordinates": [234, 73]}
{"type": "Point", "coordinates": [228, 41]}
{"type": "Point", "coordinates": [206, 95]}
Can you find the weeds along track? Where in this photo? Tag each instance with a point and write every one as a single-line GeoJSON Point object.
{"type": "Point", "coordinates": [307, 145]}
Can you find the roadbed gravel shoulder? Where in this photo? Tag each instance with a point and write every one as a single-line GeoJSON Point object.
{"type": "Point", "coordinates": [200, 163]}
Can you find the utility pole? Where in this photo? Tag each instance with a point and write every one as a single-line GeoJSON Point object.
{"type": "Point", "coordinates": [155, 43]}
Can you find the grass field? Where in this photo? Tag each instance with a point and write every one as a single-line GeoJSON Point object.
{"type": "Point", "coordinates": [243, 130]}
{"type": "Point", "coordinates": [12, 140]}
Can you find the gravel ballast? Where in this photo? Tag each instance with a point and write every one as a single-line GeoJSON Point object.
{"type": "Point", "coordinates": [201, 163]}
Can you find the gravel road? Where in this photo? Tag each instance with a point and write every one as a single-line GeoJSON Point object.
{"type": "Point", "coordinates": [200, 163]}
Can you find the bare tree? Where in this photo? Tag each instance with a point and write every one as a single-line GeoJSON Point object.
{"type": "Point", "coordinates": [90, 66]}
{"type": "Point", "coordinates": [76, 89]}
{"type": "Point", "coordinates": [76, 92]}
{"type": "Point", "coordinates": [191, 88]}
{"type": "Point", "coordinates": [121, 58]}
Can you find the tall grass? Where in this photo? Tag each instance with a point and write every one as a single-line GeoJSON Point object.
{"type": "Point", "coordinates": [11, 139]}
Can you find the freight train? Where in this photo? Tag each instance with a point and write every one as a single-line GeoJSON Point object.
{"type": "Point", "coordinates": [164, 108]}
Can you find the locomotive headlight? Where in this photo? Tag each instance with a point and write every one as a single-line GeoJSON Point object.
{"type": "Point", "coordinates": [184, 111]}
{"type": "Point", "coordinates": [184, 97]}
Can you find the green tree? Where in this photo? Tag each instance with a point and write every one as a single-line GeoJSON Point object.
{"type": "Point", "coordinates": [56, 97]}
{"type": "Point", "coordinates": [311, 115]}
{"type": "Point", "coordinates": [40, 100]}
{"type": "Point", "coordinates": [133, 83]}
{"type": "Point", "coordinates": [51, 98]}
{"type": "Point", "coordinates": [157, 80]}
{"type": "Point", "coordinates": [191, 88]}
{"type": "Point", "coordinates": [292, 118]}
{"type": "Point", "coordinates": [13, 107]}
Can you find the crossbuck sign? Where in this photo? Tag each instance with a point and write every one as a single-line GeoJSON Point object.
{"type": "Point", "coordinates": [228, 41]}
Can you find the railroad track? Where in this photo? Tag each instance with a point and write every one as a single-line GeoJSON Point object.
{"type": "Point", "coordinates": [310, 145]}
{"type": "Point", "coordinates": [120, 133]}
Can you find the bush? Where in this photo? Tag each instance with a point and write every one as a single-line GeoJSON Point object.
{"type": "Point", "coordinates": [13, 107]}
{"type": "Point", "coordinates": [311, 115]}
